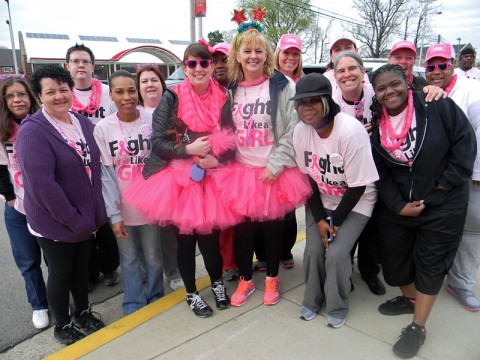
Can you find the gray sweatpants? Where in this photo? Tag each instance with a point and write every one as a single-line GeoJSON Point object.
{"type": "Point", "coordinates": [463, 273]}
{"type": "Point", "coordinates": [327, 273]}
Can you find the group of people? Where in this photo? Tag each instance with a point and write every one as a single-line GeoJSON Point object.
{"type": "Point", "coordinates": [384, 160]}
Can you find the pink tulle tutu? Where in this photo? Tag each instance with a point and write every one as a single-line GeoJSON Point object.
{"type": "Point", "coordinates": [171, 197]}
{"type": "Point", "coordinates": [245, 194]}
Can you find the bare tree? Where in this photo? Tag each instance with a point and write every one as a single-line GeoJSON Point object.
{"type": "Point", "coordinates": [316, 41]}
{"type": "Point", "coordinates": [282, 17]}
{"type": "Point", "coordinates": [381, 20]}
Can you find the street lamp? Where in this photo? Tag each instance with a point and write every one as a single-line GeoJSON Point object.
{"type": "Point", "coordinates": [424, 15]}
{"type": "Point", "coordinates": [9, 23]}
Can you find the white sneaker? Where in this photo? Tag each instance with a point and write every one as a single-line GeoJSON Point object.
{"type": "Point", "coordinates": [177, 284]}
{"type": "Point", "coordinates": [40, 319]}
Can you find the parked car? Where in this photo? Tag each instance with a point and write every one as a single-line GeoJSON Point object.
{"type": "Point", "coordinates": [176, 77]}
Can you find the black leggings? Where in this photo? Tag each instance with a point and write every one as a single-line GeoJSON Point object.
{"type": "Point", "coordinates": [210, 249]}
{"type": "Point", "coordinates": [270, 233]}
{"type": "Point", "coordinates": [289, 238]}
{"type": "Point", "coordinates": [67, 272]}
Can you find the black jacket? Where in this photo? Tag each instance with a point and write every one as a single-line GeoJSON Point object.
{"type": "Point", "coordinates": [445, 151]}
{"type": "Point", "coordinates": [168, 138]}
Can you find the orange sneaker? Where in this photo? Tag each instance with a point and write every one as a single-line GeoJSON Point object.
{"type": "Point", "coordinates": [272, 291]}
{"type": "Point", "coordinates": [244, 290]}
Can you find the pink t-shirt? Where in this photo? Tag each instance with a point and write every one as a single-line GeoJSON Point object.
{"type": "Point", "coordinates": [343, 159]}
{"type": "Point", "coordinates": [405, 153]}
{"type": "Point", "coordinates": [73, 134]}
{"type": "Point", "coordinates": [8, 156]}
{"type": "Point", "coordinates": [127, 147]}
{"type": "Point", "coordinates": [252, 112]}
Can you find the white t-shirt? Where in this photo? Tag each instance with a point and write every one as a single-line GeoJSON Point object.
{"type": "Point", "coordinates": [73, 134]}
{"type": "Point", "coordinates": [8, 156]}
{"type": "Point", "coordinates": [105, 108]}
{"type": "Point", "coordinates": [127, 147]}
{"type": "Point", "coordinates": [342, 160]}
{"type": "Point", "coordinates": [466, 94]}
{"type": "Point", "coordinates": [406, 152]}
{"type": "Point", "coordinates": [473, 73]}
{"type": "Point", "coordinates": [252, 115]}
{"type": "Point", "coordinates": [349, 109]}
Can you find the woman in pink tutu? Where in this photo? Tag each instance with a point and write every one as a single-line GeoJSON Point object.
{"type": "Point", "coordinates": [192, 139]}
{"type": "Point", "coordinates": [264, 183]}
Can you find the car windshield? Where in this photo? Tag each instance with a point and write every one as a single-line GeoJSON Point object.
{"type": "Point", "coordinates": [177, 75]}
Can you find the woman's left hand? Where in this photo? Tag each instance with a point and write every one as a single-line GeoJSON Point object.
{"type": "Point", "coordinates": [267, 177]}
{"type": "Point", "coordinates": [434, 93]}
{"type": "Point", "coordinates": [208, 162]}
{"type": "Point", "coordinates": [11, 203]}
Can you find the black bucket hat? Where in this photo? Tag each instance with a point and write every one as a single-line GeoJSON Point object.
{"type": "Point", "coordinates": [313, 84]}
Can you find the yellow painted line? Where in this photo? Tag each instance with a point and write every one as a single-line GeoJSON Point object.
{"type": "Point", "coordinates": [127, 323]}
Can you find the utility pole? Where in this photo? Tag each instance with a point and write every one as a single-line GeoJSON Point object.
{"type": "Point", "coordinates": [192, 21]}
{"type": "Point", "coordinates": [9, 23]}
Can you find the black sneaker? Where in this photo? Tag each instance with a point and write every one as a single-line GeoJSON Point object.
{"type": "Point", "coordinates": [412, 337]}
{"type": "Point", "coordinates": [198, 306]}
{"type": "Point", "coordinates": [374, 284]}
{"type": "Point", "coordinates": [110, 278]}
{"type": "Point", "coordinates": [68, 334]}
{"type": "Point", "coordinates": [397, 306]}
{"type": "Point", "coordinates": [88, 322]}
{"type": "Point", "coordinates": [221, 297]}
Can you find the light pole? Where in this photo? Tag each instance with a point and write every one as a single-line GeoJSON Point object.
{"type": "Point", "coordinates": [424, 15]}
{"type": "Point", "coordinates": [9, 23]}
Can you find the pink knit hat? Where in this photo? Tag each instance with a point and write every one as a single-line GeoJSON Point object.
{"type": "Point", "coordinates": [404, 44]}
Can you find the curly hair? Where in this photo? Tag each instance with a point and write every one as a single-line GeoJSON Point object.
{"type": "Point", "coordinates": [51, 71]}
{"type": "Point", "coordinates": [6, 116]}
{"type": "Point", "coordinates": [376, 107]}
{"type": "Point", "coordinates": [157, 72]}
{"type": "Point", "coordinates": [248, 39]}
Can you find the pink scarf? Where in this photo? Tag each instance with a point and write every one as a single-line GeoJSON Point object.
{"type": "Point", "coordinates": [201, 113]}
{"type": "Point", "coordinates": [93, 102]}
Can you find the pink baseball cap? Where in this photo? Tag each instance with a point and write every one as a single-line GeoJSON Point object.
{"type": "Point", "coordinates": [222, 47]}
{"type": "Point", "coordinates": [404, 44]}
{"type": "Point", "coordinates": [444, 51]}
{"type": "Point", "coordinates": [288, 41]}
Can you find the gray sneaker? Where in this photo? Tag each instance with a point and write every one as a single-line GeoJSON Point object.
{"type": "Point", "coordinates": [231, 274]}
{"type": "Point", "coordinates": [465, 297]}
{"type": "Point", "coordinates": [306, 314]}
{"type": "Point", "coordinates": [334, 322]}
{"type": "Point", "coordinates": [110, 278]}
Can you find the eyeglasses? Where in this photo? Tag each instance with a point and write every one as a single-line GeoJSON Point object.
{"type": "Point", "coordinates": [21, 95]}
{"type": "Point", "coordinates": [358, 106]}
{"type": "Point", "coordinates": [442, 67]}
{"type": "Point", "coordinates": [141, 66]}
{"type": "Point", "coordinates": [192, 64]}
{"type": "Point", "coordinates": [78, 61]}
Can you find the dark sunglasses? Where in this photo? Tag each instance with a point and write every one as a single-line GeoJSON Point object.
{"type": "Point", "coordinates": [442, 67]}
{"type": "Point", "coordinates": [192, 64]}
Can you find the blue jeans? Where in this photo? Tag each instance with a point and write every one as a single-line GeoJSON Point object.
{"type": "Point", "coordinates": [141, 239]}
{"type": "Point", "coordinates": [28, 257]}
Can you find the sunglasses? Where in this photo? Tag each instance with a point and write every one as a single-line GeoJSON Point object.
{"type": "Point", "coordinates": [442, 67]}
{"type": "Point", "coordinates": [192, 64]}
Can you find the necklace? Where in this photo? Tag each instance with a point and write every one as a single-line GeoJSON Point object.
{"type": "Point", "coordinates": [93, 102]}
{"type": "Point", "coordinates": [125, 142]}
{"type": "Point", "coordinates": [249, 135]}
{"type": "Point", "coordinates": [392, 141]}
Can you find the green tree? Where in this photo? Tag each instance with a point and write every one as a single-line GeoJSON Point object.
{"type": "Point", "coordinates": [215, 37]}
{"type": "Point", "coordinates": [282, 17]}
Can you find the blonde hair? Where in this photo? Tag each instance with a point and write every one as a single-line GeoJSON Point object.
{"type": "Point", "coordinates": [248, 39]}
{"type": "Point", "coordinates": [298, 70]}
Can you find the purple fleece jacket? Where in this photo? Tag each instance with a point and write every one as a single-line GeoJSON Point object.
{"type": "Point", "coordinates": [61, 202]}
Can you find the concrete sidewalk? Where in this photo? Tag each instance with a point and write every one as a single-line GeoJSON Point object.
{"type": "Point", "coordinates": [168, 329]}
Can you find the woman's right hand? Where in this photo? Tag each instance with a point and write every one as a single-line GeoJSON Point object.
{"type": "Point", "coordinates": [413, 208]}
{"type": "Point", "coordinates": [11, 203]}
{"type": "Point", "coordinates": [324, 229]}
{"type": "Point", "coordinates": [200, 147]}
{"type": "Point", "coordinates": [120, 230]}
